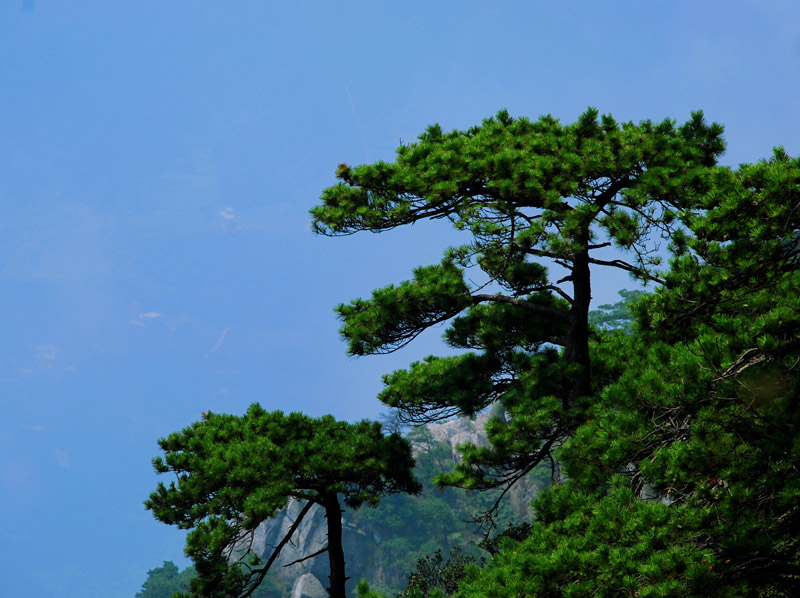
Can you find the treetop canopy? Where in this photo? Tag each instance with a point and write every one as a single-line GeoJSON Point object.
{"type": "Point", "coordinates": [481, 177]}
{"type": "Point", "coordinates": [234, 472]}
{"type": "Point", "coordinates": [255, 462]}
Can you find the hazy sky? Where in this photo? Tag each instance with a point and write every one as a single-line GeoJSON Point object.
{"type": "Point", "coordinates": [158, 163]}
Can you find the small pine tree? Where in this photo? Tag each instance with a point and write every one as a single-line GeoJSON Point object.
{"type": "Point", "coordinates": [235, 472]}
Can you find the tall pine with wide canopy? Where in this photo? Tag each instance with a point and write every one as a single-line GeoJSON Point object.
{"type": "Point", "coordinates": [528, 195]}
{"type": "Point", "coordinates": [681, 441]}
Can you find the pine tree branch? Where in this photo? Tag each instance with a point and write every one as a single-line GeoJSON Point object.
{"type": "Point", "coordinates": [310, 556]}
{"type": "Point", "coordinates": [486, 519]}
{"type": "Point", "coordinates": [745, 360]}
{"type": "Point", "coordinates": [622, 265]}
{"type": "Point", "coordinates": [559, 290]}
{"type": "Point", "coordinates": [498, 298]}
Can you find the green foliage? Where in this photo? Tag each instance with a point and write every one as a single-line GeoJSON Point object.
{"type": "Point", "coordinates": [527, 194]}
{"type": "Point", "coordinates": [163, 582]}
{"type": "Point", "coordinates": [478, 176]}
{"type": "Point", "coordinates": [679, 436]}
{"type": "Point", "coordinates": [396, 315]}
{"type": "Point", "coordinates": [166, 581]}
{"type": "Point", "coordinates": [683, 479]}
{"type": "Point", "coordinates": [590, 544]}
{"type": "Point", "coordinates": [619, 315]}
{"type": "Point", "coordinates": [235, 472]}
{"type": "Point", "coordinates": [363, 590]}
{"type": "Point", "coordinates": [411, 528]}
{"type": "Point", "coordinates": [408, 528]}
{"type": "Point", "coordinates": [435, 576]}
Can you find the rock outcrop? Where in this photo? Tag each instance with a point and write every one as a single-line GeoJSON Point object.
{"type": "Point", "coordinates": [310, 538]}
{"type": "Point", "coordinates": [308, 586]}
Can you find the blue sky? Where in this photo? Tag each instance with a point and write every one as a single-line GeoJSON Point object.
{"type": "Point", "coordinates": [158, 163]}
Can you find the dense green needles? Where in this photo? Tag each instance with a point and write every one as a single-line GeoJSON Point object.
{"type": "Point", "coordinates": [235, 472]}
{"type": "Point", "coordinates": [678, 437]}
{"type": "Point", "coordinates": [674, 438]}
{"type": "Point", "coordinates": [527, 194]}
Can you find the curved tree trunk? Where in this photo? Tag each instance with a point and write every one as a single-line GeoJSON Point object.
{"type": "Point", "coordinates": [333, 513]}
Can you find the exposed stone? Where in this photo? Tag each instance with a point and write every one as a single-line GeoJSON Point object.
{"type": "Point", "coordinates": [310, 537]}
{"type": "Point", "coordinates": [460, 431]}
{"type": "Point", "coordinates": [308, 586]}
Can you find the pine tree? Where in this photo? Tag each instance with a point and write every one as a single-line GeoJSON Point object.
{"type": "Point", "coordinates": [683, 480]}
{"type": "Point", "coordinates": [528, 194]}
{"type": "Point", "coordinates": [233, 473]}
{"type": "Point", "coordinates": [680, 441]}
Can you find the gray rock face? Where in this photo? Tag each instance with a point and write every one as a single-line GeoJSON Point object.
{"type": "Point", "coordinates": [457, 432]}
{"type": "Point", "coordinates": [308, 586]}
{"type": "Point", "coordinates": [310, 537]}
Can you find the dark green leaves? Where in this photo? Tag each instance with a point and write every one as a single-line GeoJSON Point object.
{"type": "Point", "coordinates": [507, 164]}
{"type": "Point", "coordinates": [529, 194]}
{"type": "Point", "coordinates": [500, 328]}
{"type": "Point", "coordinates": [440, 387]}
{"type": "Point", "coordinates": [677, 438]}
{"type": "Point", "coordinates": [396, 315]}
{"type": "Point", "coordinates": [235, 472]}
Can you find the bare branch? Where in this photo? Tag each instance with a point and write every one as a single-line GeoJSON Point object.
{"type": "Point", "coordinates": [622, 265]}
{"type": "Point", "coordinates": [310, 556]}
{"type": "Point", "coordinates": [558, 290]}
{"type": "Point", "coordinates": [565, 279]}
{"type": "Point", "coordinates": [745, 361]}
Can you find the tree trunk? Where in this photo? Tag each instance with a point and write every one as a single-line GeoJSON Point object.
{"type": "Point", "coordinates": [576, 351]}
{"type": "Point", "coordinates": [333, 513]}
